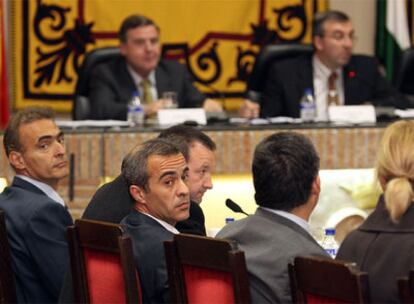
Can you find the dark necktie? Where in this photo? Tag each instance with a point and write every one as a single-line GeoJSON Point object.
{"type": "Point", "coordinates": [333, 98]}
{"type": "Point", "coordinates": [147, 94]}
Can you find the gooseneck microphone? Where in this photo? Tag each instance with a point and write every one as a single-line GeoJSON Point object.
{"type": "Point", "coordinates": [234, 207]}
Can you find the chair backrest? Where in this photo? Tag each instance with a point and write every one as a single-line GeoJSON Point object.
{"type": "Point", "coordinates": [206, 270]}
{"type": "Point", "coordinates": [7, 283]}
{"type": "Point", "coordinates": [405, 73]}
{"type": "Point", "coordinates": [102, 263]}
{"type": "Point", "coordinates": [81, 106]}
{"type": "Point", "coordinates": [322, 280]}
{"type": "Point", "coordinates": [268, 55]}
{"type": "Point", "coordinates": [406, 288]}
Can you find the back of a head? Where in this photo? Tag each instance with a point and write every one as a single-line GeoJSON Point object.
{"type": "Point", "coordinates": [320, 19]}
{"type": "Point", "coordinates": [395, 167]}
{"type": "Point", "coordinates": [188, 135]}
{"type": "Point", "coordinates": [11, 140]}
{"type": "Point", "coordinates": [285, 166]}
{"type": "Point", "coordinates": [134, 165]}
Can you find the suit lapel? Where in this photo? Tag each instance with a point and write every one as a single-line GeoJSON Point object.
{"type": "Point", "coordinates": [350, 83]}
{"type": "Point", "coordinates": [127, 84]}
{"type": "Point", "coordinates": [162, 79]}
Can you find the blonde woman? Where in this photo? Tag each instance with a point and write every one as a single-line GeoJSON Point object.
{"type": "Point", "coordinates": [384, 244]}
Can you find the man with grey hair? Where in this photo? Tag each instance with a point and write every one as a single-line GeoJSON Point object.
{"type": "Point", "coordinates": [36, 217]}
{"type": "Point", "coordinates": [156, 173]}
{"type": "Point", "coordinates": [333, 74]}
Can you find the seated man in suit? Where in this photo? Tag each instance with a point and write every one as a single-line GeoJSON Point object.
{"type": "Point", "coordinates": [335, 76]}
{"type": "Point", "coordinates": [156, 173]}
{"type": "Point", "coordinates": [36, 217]}
{"type": "Point", "coordinates": [140, 69]}
{"type": "Point", "coordinates": [286, 180]}
{"type": "Point", "coordinates": [112, 201]}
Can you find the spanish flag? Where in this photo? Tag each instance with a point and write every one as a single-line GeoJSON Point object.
{"type": "Point", "coordinates": [4, 90]}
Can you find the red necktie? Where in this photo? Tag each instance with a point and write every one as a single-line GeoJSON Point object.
{"type": "Point", "coordinates": [333, 98]}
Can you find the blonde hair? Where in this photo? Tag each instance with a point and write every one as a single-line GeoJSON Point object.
{"type": "Point", "coordinates": [395, 166]}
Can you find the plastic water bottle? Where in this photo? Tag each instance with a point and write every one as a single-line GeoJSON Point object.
{"type": "Point", "coordinates": [135, 114]}
{"type": "Point", "coordinates": [329, 243]}
{"type": "Point", "coordinates": [307, 106]}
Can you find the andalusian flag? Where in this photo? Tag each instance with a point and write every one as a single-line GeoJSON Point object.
{"type": "Point", "coordinates": [392, 33]}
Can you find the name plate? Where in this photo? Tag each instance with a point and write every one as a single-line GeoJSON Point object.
{"type": "Point", "coordinates": [176, 116]}
{"type": "Point", "coordinates": [352, 114]}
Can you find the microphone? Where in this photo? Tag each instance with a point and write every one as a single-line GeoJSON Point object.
{"type": "Point", "coordinates": [234, 207]}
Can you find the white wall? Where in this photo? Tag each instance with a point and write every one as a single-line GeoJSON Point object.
{"type": "Point", "coordinates": [363, 15]}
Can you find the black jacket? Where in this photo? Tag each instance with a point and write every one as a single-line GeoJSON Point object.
{"type": "Point", "coordinates": [287, 81]}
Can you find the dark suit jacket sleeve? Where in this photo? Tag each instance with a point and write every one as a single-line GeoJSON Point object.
{"type": "Point", "coordinates": [271, 104]}
{"type": "Point", "coordinates": [104, 95]}
{"type": "Point", "coordinates": [46, 240]}
{"type": "Point", "coordinates": [385, 93]}
{"type": "Point", "coordinates": [173, 76]}
{"type": "Point", "coordinates": [192, 96]}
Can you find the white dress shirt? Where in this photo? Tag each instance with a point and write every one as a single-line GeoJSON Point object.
{"type": "Point", "coordinates": [291, 217]}
{"type": "Point", "coordinates": [321, 74]}
{"type": "Point", "coordinates": [167, 226]}
{"type": "Point", "coordinates": [138, 79]}
{"type": "Point", "coordinates": [49, 191]}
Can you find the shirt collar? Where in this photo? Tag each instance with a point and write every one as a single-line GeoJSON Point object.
{"type": "Point", "coordinates": [138, 78]}
{"type": "Point", "coordinates": [290, 216]}
{"type": "Point", "coordinates": [167, 226]}
{"type": "Point", "coordinates": [322, 70]}
{"type": "Point", "coordinates": [49, 191]}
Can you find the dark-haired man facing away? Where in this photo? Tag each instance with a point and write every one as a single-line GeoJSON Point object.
{"type": "Point", "coordinates": [287, 185]}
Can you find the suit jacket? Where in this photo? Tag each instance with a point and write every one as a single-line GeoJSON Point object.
{"type": "Point", "coordinates": [270, 242]}
{"type": "Point", "coordinates": [112, 202]}
{"type": "Point", "coordinates": [383, 249]}
{"type": "Point", "coordinates": [111, 87]}
{"type": "Point", "coordinates": [288, 79]}
{"type": "Point", "coordinates": [36, 228]}
{"type": "Point", "coordinates": [148, 238]}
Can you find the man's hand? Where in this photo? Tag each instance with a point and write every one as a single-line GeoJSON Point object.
{"type": "Point", "coordinates": [249, 109]}
{"type": "Point", "coordinates": [151, 109]}
{"type": "Point", "coordinates": [211, 105]}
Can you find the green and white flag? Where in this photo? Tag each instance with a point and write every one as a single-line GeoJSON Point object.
{"type": "Point", "coordinates": [392, 33]}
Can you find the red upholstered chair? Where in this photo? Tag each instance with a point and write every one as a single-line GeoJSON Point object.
{"type": "Point", "coordinates": [102, 263]}
{"type": "Point", "coordinates": [7, 284]}
{"type": "Point", "coordinates": [406, 288]}
{"type": "Point", "coordinates": [206, 270]}
{"type": "Point", "coordinates": [322, 280]}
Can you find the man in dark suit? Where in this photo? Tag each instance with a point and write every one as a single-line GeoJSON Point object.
{"type": "Point", "coordinates": [286, 180]}
{"type": "Point", "coordinates": [36, 217]}
{"type": "Point", "coordinates": [112, 84]}
{"type": "Point", "coordinates": [112, 201]}
{"type": "Point", "coordinates": [335, 76]}
{"type": "Point", "coordinates": [156, 173]}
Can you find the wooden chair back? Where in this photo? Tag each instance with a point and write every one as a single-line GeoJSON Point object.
{"type": "Point", "coordinates": [206, 270]}
{"type": "Point", "coordinates": [102, 263]}
{"type": "Point", "coordinates": [323, 280]}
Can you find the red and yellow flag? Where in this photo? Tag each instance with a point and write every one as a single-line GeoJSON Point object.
{"type": "Point", "coordinates": [4, 90]}
{"type": "Point", "coordinates": [217, 40]}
